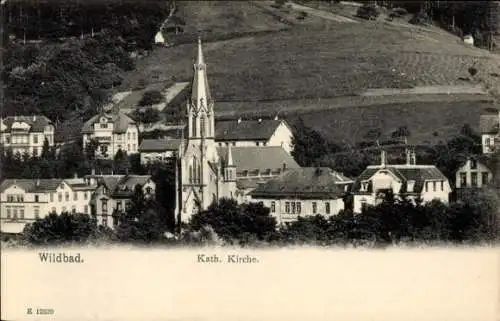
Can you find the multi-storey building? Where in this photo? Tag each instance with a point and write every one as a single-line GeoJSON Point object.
{"type": "Point", "coordinates": [424, 182]}
{"type": "Point", "coordinates": [24, 200]}
{"type": "Point", "coordinates": [261, 132]}
{"type": "Point", "coordinates": [26, 134]}
{"type": "Point", "coordinates": [303, 192]}
{"type": "Point", "coordinates": [114, 194]}
{"type": "Point", "coordinates": [112, 131]}
{"type": "Point", "coordinates": [473, 173]}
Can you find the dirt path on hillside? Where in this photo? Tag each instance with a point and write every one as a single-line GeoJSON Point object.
{"type": "Point", "coordinates": [322, 14]}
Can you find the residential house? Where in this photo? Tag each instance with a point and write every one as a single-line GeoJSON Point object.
{"type": "Point", "coordinates": [114, 194]}
{"type": "Point", "coordinates": [473, 173]}
{"type": "Point", "coordinates": [113, 131]}
{"type": "Point", "coordinates": [261, 132]}
{"type": "Point", "coordinates": [303, 192]}
{"type": "Point", "coordinates": [424, 182]}
{"type": "Point", "coordinates": [24, 200]}
{"type": "Point", "coordinates": [26, 134]}
{"type": "Point", "coordinates": [490, 132]}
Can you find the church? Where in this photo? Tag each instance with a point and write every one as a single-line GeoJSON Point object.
{"type": "Point", "coordinates": [207, 171]}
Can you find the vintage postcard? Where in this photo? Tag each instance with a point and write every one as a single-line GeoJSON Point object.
{"type": "Point", "coordinates": [250, 160]}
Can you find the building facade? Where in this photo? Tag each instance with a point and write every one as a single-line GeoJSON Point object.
{"type": "Point", "coordinates": [303, 192]}
{"type": "Point", "coordinates": [261, 132]}
{"type": "Point", "coordinates": [424, 182]}
{"type": "Point", "coordinates": [473, 173]}
{"type": "Point", "coordinates": [26, 134]}
{"type": "Point", "coordinates": [114, 193]}
{"type": "Point", "coordinates": [112, 131]}
{"type": "Point", "coordinates": [159, 150]}
{"type": "Point", "coordinates": [24, 200]}
{"type": "Point", "coordinates": [490, 132]}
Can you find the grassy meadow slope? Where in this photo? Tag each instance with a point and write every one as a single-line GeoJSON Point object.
{"type": "Point", "coordinates": [309, 61]}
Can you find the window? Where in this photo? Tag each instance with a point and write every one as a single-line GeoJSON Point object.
{"type": "Point", "coordinates": [327, 207]}
{"type": "Point", "coordinates": [20, 198]}
{"type": "Point", "coordinates": [257, 143]}
{"type": "Point", "coordinates": [193, 127]}
{"type": "Point", "coordinates": [73, 209]}
{"type": "Point", "coordinates": [75, 196]}
{"type": "Point", "coordinates": [14, 213]}
{"type": "Point", "coordinates": [59, 196]}
{"type": "Point", "coordinates": [105, 220]}
{"type": "Point", "coordinates": [426, 186]}
{"type": "Point", "coordinates": [128, 146]}
{"type": "Point", "coordinates": [299, 207]}
{"type": "Point", "coordinates": [119, 205]}
{"type": "Point", "coordinates": [473, 164]}
{"type": "Point", "coordinates": [487, 141]}
{"type": "Point", "coordinates": [21, 213]}
{"type": "Point", "coordinates": [273, 207]}
{"type": "Point", "coordinates": [85, 196]}
{"type": "Point", "coordinates": [7, 140]}
{"type": "Point", "coordinates": [35, 139]}
{"type": "Point", "coordinates": [53, 210]}
{"type": "Point", "coordinates": [442, 185]}
{"type": "Point", "coordinates": [104, 125]}
{"type": "Point", "coordinates": [133, 147]}
{"type": "Point", "coordinates": [234, 143]}
{"type": "Point", "coordinates": [36, 210]}
{"type": "Point", "coordinates": [473, 178]}
{"type": "Point", "coordinates": [463, 179]}
{"type": "Point", "coordinates": [64, 209]}
{"type": "Point", "coordinates": [293, 208]}
{"type": "Point", "coordinates": [148, 190]}
{"type": "Point", "coordinates": [190, 174]}
{"type": "Point", "coordinates": [105, 206]}
{"type": "Point", "coordinates": [127, 205]}
{"type": "Point", "coordinates": [8, 212]}
{"type": "Point", "coordinates": [315, 207]}
{"type": "Point", "coordinates": [104, 149]}
{"type": "Point", "coordinates": [66, 196]}
{"type": "Point", "coordinates": [37, 199]}
{"type": "Point", "coordinates": [484, 178]}
{"type": "Point", "coordinates": [287, 207]}
{"type": "Point", "coordinates": [86, 209]}
{"type": "Point", "coordinates": [434, 186]}
{"type": "Point", "coordinates": [202, 126]}
{"type": "Point", "coordinates": [51, 197]}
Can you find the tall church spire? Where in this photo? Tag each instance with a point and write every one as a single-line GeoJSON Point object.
{"type": "Point", "coordinates": [200, 96]}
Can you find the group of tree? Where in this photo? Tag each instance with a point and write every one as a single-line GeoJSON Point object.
{"type": "Point", "coordinates": [135, 21]}
{"type": "Point", "coordinates": [312, 149]}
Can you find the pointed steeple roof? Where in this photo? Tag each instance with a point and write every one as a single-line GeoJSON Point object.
{"type": "Point", "coordinates": [200, 95]}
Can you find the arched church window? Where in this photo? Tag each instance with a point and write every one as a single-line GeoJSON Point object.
{"type": "Point", "coordinates": [193, 127]}
{"type": "Point", "coordinates": [199, 173]}
{"type": "Point", "coordinates": [209, 127]}
{"type": "Point", "coordinates": [195, 178]}
{"type": "Point", "coordinates": [202, 126]}
{"type": "Point", "coordinates": [190, 174]}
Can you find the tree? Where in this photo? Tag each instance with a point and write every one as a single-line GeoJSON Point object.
{"type": "Point", "coordinates": [148, 116]}
{"type": "Point", "coordinates": [235, 223]}
{"type": "Point", "coordinates": [151, 97]}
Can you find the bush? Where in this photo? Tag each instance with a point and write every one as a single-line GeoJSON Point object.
{"type": "Point", "coordinates": [420, 18]}
{"type": "Point", "coordinates": [368, 12]}
{"type": "Point", "coordinates": [398, 12]}
{"type": "Point", "coordinates": [151, 97]}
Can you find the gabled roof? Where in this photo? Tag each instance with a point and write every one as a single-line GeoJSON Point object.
{"type": "Point", "coordinates": [160, 145]}
{"type": "Point", "coordinates": [120, 121]}
{"type": "Point", "coordinates": [37, 123]}
{"type": "Point", "coordinates": [417, 173]}
{"type": "Point", "coordinates": [307, 182]}
{"type": "Point", "coordinates": [260, 158]}
{"type": "Point", "coordinates": [32, 185]}
{"type": "Point", "coordinates": [121, 185]}
{"type": "Point", "coordinates": [489, 124]}
{"type": "Point", "coordinates": [246, 129]}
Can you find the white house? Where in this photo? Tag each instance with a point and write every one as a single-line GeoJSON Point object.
{"type": "Point", "coordinates": [473, 173]}
{"type": "Point", "coordinates": [490, 132]}
{"type": "Point", "coordinates": [303, 192]}
{"type": "Point", "coordinates": [113, 131]}
{"type": "Point", "coordinates": [24, 200]}
{"type": "Point", "coordinates": [414, 181]}
{"type": "Point", "coordinates": [261, 132]}
{"type": "Point", "coordinates": [26, 134]}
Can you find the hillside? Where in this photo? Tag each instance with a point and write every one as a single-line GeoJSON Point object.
{"type": "Point", "coordinates": [320, 60]}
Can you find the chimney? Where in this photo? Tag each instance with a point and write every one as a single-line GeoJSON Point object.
{"type": "Point", "coordinates": [15, 118]}
{"type": "Point", "coordinates": [75, 175]}
{"type": "Point", "coordinates": [413, 158]}
{"type": "Point", "coordinates": [37, 183]}
{"type": "Point", "coordinates": [239, 120]}
{"type": "Point", "coordinates": [383, 158]}
{"type": "Point", "coordinates": [408, 156]}
{"type": "Point", "coordinates": [34, 117]}
{"type": "Point", "coordinates": [276, 117]}
{"type": "Point", "coordinates": [93, 171]}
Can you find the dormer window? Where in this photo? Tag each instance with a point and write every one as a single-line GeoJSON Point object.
{"type": "Point", "coordinates": [410, 186]}
{"type": "Point", "coordinates": [364, 186]}
{"type": "Point", "coordinates": [473, 164]}
{"type": "Point", "coordinates": [148, 190]}
{"type": "Point", "coordinates": [104, 125]}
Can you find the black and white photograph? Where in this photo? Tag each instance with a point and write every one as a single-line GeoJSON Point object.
{"type": "Point", "coordinates": [199, 160]}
